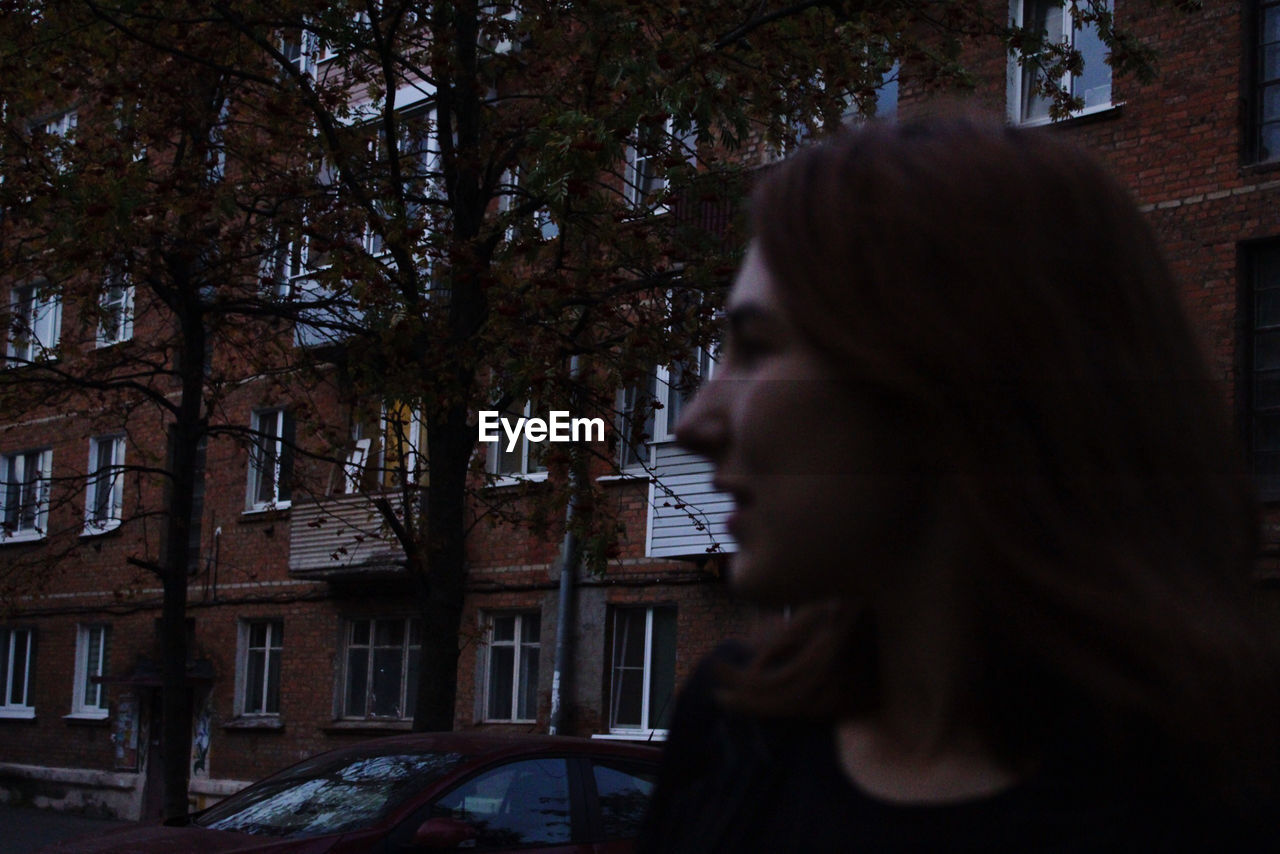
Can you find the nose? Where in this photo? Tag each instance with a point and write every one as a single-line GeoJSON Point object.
{"type": "Point", "coordinates": [704, 425]}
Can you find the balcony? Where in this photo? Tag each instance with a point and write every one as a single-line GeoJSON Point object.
{"type": "Point", "coordinates": [686, 515]}
{"type": "Point", "coordinates": [343, 538]}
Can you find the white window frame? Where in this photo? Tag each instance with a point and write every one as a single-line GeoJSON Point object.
{"type": "Point", "coordinates": [39, 314]}
{"type": "Point", "coordinates": [406, 657]}
{"type": "Point", "coordinates": [10, 707]}
{"type": "Point", "coordinates": [116, 302]}
{"type": "Point", "coordinates": [636, 188]}
{"type": "Point", "coordinates": [257, 452]}
{"type": "Point", "coordinates": [89, 699]}
{"type": "Point", "coordinates": [308, 50]}
{"type": "Point", "coordinates": [14, 469]}
{"type": "Point", "coordinates": [646, 714]}
{"type": "Point", "coordinates": [1015, 79]}
{"type": "Point", "coordinates": [495, 450]}
{"type": "Point", "coordinates": [354, 465]}
{"type": "Point", "coordinates": [273, 648]}
{"type": "Point", "coordinates": [509, 189]}
{"type": "Point", "coordinates": [93, 523]}
{"type": "Point", "coordinates": [668, 413]}
{"type": "Point", "coordinates": [628, 399]}
{"type": "Point", "coordinates": [283, 264]}
{"type": "Point", "coordinates": [519, 649]}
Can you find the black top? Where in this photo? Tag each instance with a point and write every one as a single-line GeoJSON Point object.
{"type": "Point", "coordinates": [731, 782]}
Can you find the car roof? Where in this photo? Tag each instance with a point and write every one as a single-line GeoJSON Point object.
{"type": "Point", "coordinates": [488, 745]}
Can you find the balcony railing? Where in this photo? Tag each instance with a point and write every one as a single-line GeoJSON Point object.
{"type": "Point", "coordinates": [343, 537]}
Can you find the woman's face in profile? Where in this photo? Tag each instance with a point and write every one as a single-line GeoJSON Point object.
{"type": "Point", "coordinates": [821, 503]}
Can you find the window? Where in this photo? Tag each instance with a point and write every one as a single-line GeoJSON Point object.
{"type": "Point", "coordinates": [404, 444]}
{"type": "Point", "coordinates": [283, 263]}
{"type": "Point", "coordinates": [104, 495]}
{"type": "Point", "coordinates": [1092, 86]}
{"type": "Point", "coordinates": [25, 496]}
{"type": "Point", "coordinates": [89, 697]}
{"type": "Point", "coordinates": [300, 50]}
{"type": "Point", "coordinates": [61, 130]}
{"type": "Point", "coordinates": [116, 302]}
{"type": "Point", "coordinates": [636, 416]}
{"type": "Point", "coordinates": [380, 679]}
{"type": "Point", "coordinates": [1263, 371]}
{"type": "Point", "coordinates": [258, 685]}
{"type": "Point", "coordinates": [511, 692]}
{"type": "Point", "coordinates": [643, 181]}
{"type": "Point", "coordinates": [270, 460]}
{"type": "Point", "coordinates": [624, 791]}
{"type": "Point", "coordinates": [675, 387]}
{"type": "Point", "coordinates": [353, 467]}
{"type": "Point", "coordinates": [17, 649]}
{"type": "Point", "coordinates": [35, 324]}
{"type": "Point", "coordinates": [643, 671]}
{"type": "Point", "coordinates": [512, 194]}
{"type": "Point", "coordinates": [520, 803]}
{"type": "Point", "coordinates": [525, 458]}
{"type": "Point", "coordinates": [1266, 102]}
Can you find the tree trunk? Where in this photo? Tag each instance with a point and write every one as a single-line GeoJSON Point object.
{"type": "Point", "coordinates": [175, 699]}
{"type": "Point", "coordinates": [441, 583]}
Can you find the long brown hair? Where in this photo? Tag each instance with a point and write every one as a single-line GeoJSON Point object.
{"type": "Point", "coordinates": [1002, 285]}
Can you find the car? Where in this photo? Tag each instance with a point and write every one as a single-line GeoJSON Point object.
{"type": "Point", "coordinates": [422, 792]}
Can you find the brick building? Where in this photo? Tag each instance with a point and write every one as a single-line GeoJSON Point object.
{"type": "Point", "coordinates": [301, 620]}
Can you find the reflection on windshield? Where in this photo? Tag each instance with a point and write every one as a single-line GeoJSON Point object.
{"type": "Point", "coordinates": [328, 795]}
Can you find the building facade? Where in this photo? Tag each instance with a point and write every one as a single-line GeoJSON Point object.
{"type": "Point", "coordinates": [301, 618]}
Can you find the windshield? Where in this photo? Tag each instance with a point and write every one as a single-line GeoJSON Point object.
{"type": "Point", "coordinates": [329, 794]}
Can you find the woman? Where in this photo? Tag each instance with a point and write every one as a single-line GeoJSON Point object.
{"type": "Point", "coordinates": [968, 430]}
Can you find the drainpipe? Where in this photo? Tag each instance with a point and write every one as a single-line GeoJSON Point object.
{"type": "Point", "coordinates": [568, 565]}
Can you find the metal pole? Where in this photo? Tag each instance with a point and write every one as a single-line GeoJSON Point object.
{"type": "Point", "coordinates": [568, 565]}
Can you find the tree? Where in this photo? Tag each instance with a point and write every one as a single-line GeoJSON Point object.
{"type": "Point", "coordinates": [471, 195]}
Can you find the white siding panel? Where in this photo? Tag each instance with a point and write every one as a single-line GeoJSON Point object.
{"type": "Point", "coordinates": [340, 532]}
{"type": "Point", "coordinates": [681, 499]}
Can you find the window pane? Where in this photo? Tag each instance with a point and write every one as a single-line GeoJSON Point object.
{"type": "Point", "coordinates": [628, 694]}
{"type": "Point", "coordinates": [254, 667]}
{"type": "Point", "coordinates": [357, 681]}
{"type": "Point", "coordinates": [1270, 62]}
{"type": "Point", "coordinates": [20, 639]}
{"type": "Point", "coordinates": [388, 633]}
{"type": "Point", "coordinates": [258, 634]}
{"type": "Point", "coordinates": [1269, 147]}
{"type": "Point", "coordinates": [1094, 83]}
{"type": "Point", "coordinates": [531, 628]}
{"type": "Point", "coordinates": [1266, 390]}
{"type": "Point", "coordinates": [628, 637]}
{"type": "Point", "coordinates": [1270, 30]}
{"type": "Point", "coordinates": [411, 683]}
{"type": "Point", "coordinates": [521, 803]}
{"type": "Point", "coordinates": [662, 664]}
{"type": "Point", "coordinates": [1266, 431]}
{"type": "Point", "coordinates": [624, 797]}
{"type": "Point", "coordinates": [528, 683]}
{"type": "Point", "coordinates": [501, 672]}
{"type": "Point", "coordinates": [1271, 102]}
{"type": "Point", "coordinates": [1267, 306]}
{"type": "Point", "coordinates": [387, 668]}
{"type": "Point", "coordinates": [5, 638]}
{"type": "Point", "coordinates": [1266, 350]}
{"type": "Point", "coordinates": [504, 628]}
{"type": "Point", "coordinates": [360, 632]}
{"type": "Point", "coordinates": [273, 683]}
